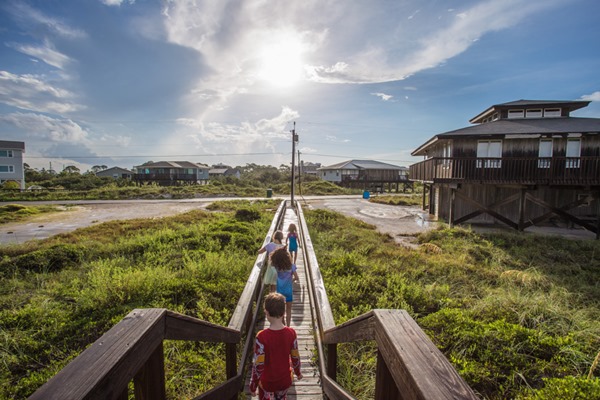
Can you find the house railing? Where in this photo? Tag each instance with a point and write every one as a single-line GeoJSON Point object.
{"type": "Point", "coordinates": [165, 177]}
{"type": "Point", "coordinates": [374, 178]}
{"type": "Point", "coordinates": [509, 170]}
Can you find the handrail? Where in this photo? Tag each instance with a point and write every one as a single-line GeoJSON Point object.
{"type": "Point", "coordinates": [133, 349]}
{"type": "Point", "coordinates": [409, 365]}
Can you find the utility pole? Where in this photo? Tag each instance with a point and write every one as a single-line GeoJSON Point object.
{"type": "Point", "coordinates": [294, 140]}
{"type": "Point", "coordinates": [299, 175]}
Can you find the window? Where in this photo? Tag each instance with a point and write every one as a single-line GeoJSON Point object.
{"type": "Point", "coordinates": [545, 153]}
{"type": "Point", "coordinates": [552, 112]}
{"type": "Point", "coordinates": [537, 113]}
{"type": "Point", "coordinates": [573, 153]}
{"type": "Point", "coordinates": [6, 153]}
{"type": "Point", "coordinates": [489, 149]}
{"type": "Point", "coordinates": [7, 168]}
{"type": "Point", "coordinates": [516, 113]}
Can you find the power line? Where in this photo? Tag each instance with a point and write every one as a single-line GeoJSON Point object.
{"type": "Point", "coordinates": [166, 156]}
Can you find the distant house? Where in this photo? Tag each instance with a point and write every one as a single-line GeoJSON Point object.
{"type": "Point", "coordinates": [521, 163]}
{"type": "Point", "coordinates": [11, 162]}
{"type": "Point", "coordinates": [309, 168]}
{"type": "Point", "coordinates": [223, 172]}
{"type": "Point", "coordinates": [171, 173]}
{"type": "Point", "coordinates": [115, 172]}
{"type": "Point", "coordinates": [366, 174]}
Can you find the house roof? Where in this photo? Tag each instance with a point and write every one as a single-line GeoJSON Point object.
{"type": "Point", "coordinates": [218, 171]}
{"type": "Point", "coordinates": [108, 170]}
{"type": "Point", "coordinates": [6, 144]}
{"type": "Point", "coordinates": [362, 164]}
{"type": "Point", "coordinates": [521, 126]}
{"type": "Point", "coordinates": [172, 164]}
{"type": "Point", "coordinates": [570, 105]}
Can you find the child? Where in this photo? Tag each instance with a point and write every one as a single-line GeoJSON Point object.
{"type": "Point", "coordinates": [270, 277]}
{"type": "Point", "coordinates": [274, 347]}
{"type": "Point", "coordinates": [292, 241]}
{"type": "Point", "coordinates": [282, 262]}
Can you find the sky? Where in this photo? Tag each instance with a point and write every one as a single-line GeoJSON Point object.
{"type": "Point", "coordinates": [123, 82]}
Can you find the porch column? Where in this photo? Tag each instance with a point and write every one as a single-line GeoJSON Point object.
{"type": "Point", "coordinates": [451, 211]}
{"type": "Point", "coordinates": [521, 226]}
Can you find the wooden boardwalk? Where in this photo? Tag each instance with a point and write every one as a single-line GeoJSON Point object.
{"type": "Point", "coordinates": [309, 388]}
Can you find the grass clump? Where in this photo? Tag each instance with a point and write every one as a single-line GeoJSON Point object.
{"type": "Point", "coordinates": [517, 315]}
{"type": "Point", "coordinates": [19, 212]}
{"type": "Point", "coordinates": [59, 295]}
{"type": "Point", "coordinates": [398, 199]}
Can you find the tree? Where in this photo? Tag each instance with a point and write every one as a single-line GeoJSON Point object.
{"type": "Point", "coordinates": [71, 169]}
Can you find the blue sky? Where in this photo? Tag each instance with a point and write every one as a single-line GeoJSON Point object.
{"type": "Point", "coordinates": [122, 82]}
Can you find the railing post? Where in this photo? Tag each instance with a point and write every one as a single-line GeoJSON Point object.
{"type": "Point", "coordinates": [385, 387]}
{"type": "Point", "coordinates": [231, 362]}
{"type": "Point", "coordinates": [149, 382]}
{"type": "Point", "coordinates": [332, 361]}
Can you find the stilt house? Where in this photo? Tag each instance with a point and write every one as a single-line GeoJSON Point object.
{"type": "Point", "coordinates": [522, 163]}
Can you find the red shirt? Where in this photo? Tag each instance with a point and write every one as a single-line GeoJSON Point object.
{"type": "Point", "coordinates": [272, 352]}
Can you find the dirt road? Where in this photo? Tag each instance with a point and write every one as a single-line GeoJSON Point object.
{"type": "Point", "coordinates": [398, 221]}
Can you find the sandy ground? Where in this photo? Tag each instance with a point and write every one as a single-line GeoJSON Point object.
{"type": "Point", "coordinates": [402, 223]}
{"type": "Point", "coordinates": [399, 222]}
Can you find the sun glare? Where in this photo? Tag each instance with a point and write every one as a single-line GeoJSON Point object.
{"type": "Point", "coordinates": [281, 63]}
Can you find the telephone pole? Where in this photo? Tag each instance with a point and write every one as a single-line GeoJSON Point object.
{"type": "Point", "coordinates": [294, 140]}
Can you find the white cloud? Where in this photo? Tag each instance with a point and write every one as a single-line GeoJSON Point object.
{"type": "Point", "coordinates": [36, 22]}
{"type": "Point", "coordinates": [116, 2]}
{"type": "Point", "coordinates": [385, 62]}
{"type": "Point", "coordinates": [30, 92]}
{"type": "Point", "coordinates": [333, 138]}
{"type": "Point", "coordinates": [591, 97]}
{"type": "Point", "coordinates": [52, 129]}
{"type": "Point", "coordinates": [384, 97]}
{"type": "Point", "coordinates": [246, 137]}
{"type": "Point", "coordinates": [45, 53]}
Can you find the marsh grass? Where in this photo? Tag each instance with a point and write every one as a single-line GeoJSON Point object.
{"type": "Point", "coordinates": [411, 199]}
{"type": "Point", "coordinates": [518, 315]}
{"type": "Point", "coordinates": [59, 295]}
{"type": "Point", "coordinates": [19, 212]}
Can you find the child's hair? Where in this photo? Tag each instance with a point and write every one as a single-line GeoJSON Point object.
{"type": "Point", "coordinates": [281, 259]}
{"type": "Point", "coordinates": [278, 235]}
{"type": "Point", "coordinates": [275, 304]}
{"type": "Point", "coordinates": [292, 228]}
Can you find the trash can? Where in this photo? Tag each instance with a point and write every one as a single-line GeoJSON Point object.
{"type": "Point", "coordinates": [269, 193]}
{"type": "Point", "coordinates": [366, 194]}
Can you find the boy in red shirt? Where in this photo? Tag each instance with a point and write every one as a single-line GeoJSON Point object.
{"type": "Point", "coordinates": [274, 347]}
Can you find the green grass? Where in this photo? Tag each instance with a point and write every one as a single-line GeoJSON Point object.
{"type": "Point", "coordinates": [18, 212]}
{"type": "Point", "coordinates": [517, 315]}
{"type": "Point", "coordinates": [398, 199]}
{"type": "Point", "coordinates": [59, 295]}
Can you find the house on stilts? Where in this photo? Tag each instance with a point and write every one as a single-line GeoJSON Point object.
{"type": "Point", "coordinates": [522, 163]}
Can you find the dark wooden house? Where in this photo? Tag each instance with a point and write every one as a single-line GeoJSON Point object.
{"type": "Point", "coordinates": [367, 174]}
{"type": "Point", "coordinates": [171, 173]}
{"type": "Point", "coordinates": [522, 163]}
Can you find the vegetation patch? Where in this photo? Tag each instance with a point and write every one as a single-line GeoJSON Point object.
{"type": "Point", "coordinates": [59, 295]}
{"type": "Point", "coordinates": [398, 199]}
{"type": "Point", "coordinates": [517, 315]}
{"type": "Point", "coordinates": [19, 212]}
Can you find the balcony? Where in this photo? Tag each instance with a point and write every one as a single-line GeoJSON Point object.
{"type": "Point", "coordinates": [509, 170]}
{"type": "Point", "coordinates": [165, 177]}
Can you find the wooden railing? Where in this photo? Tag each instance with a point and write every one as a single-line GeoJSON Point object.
{"type": "Point", "coordinates": [509, 170]}
{"type": "Point", "coordinates": [133, 349]}
{"type": "Point", "coordinates": [409, 365]}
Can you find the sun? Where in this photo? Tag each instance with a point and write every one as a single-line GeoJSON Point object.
{"type": "Point", "coordinates": [280, 63]}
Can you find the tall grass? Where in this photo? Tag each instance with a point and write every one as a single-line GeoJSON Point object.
{"type": "Point", "coordinates": [59, 295]}
{"type": "Point", "coordinates": [518, 315]}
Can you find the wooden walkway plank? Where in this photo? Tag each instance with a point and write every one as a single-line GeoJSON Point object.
{"type": "Point", "coordinates": [309, 388]}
